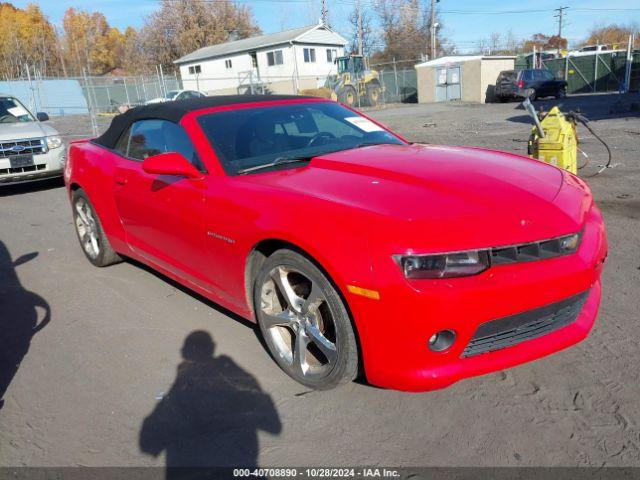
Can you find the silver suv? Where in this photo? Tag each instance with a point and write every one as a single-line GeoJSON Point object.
{"type": "Point", "coordinates": [29, 150]}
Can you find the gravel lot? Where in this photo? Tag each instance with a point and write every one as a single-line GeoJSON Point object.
{"type": "Point", "coordinates": [110, 350]}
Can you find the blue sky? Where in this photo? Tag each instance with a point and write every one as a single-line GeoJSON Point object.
{"type": "Point", "coordinates": [462, 28]}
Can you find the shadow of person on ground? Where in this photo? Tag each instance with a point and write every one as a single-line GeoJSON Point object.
{"type": "Point", "coordinates": [18, 317]}
{"type": "Point", "coordinates": [211, 415]}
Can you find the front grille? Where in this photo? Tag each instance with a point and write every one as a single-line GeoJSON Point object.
{"type": "Point", "coordinates": [527, 252]}
{"type": "Point", "coordinates": [33, 146]}
{"type": "Point", "coordinates": [514, 329]}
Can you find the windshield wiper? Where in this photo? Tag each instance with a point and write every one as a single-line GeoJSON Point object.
{"type": "Point", "coordinates": [276, 162]}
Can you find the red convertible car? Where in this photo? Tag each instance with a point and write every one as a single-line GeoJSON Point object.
{"type": "Point", "coordinates": [353, 249]}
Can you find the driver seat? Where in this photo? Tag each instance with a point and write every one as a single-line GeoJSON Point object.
{"type": "Point", "coordinates": [264, 139]}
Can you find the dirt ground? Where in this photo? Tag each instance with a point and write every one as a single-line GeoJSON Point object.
{"type": "Point", "coordinates": [105, 345]}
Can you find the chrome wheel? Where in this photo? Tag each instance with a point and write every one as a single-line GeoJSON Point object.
{"type": "Point", "coordinates": [87, 228]}
{"type": "Point", "coordinates": [295, 314]}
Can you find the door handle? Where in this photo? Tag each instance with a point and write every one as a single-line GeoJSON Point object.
{"type": "Point", "coordinates": [120, 180]}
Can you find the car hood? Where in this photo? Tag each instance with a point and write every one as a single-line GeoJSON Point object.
{"type": "Point", "coordinates": [441, 197]}
{"type": "Point", "coordinates": [24, 130]}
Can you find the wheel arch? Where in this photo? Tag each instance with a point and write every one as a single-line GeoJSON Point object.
{"type": "Point", "coordinates": [265, 248]}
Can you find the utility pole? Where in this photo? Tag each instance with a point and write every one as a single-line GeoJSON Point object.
{"type": "Point", "coordinates": [359, 22]}
{"type": "Point", "coordinates": [323, 14]}
{"type": "Point", "coordinates": [432, 28]}
{"type": "Point", "coordinates": [559, 16]}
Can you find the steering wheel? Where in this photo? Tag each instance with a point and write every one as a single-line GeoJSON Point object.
{"type": "Point", "coordinates": [320, 135]}
{"type": "Point", "coordinates": [5, 117]}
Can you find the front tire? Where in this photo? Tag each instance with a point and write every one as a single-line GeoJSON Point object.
{"type": "Point", "coordinates": [304, 322]}
{"type": "Point", "coordinates": [348, 96]}
{"type": "Point", "coordinates": [93, 241]}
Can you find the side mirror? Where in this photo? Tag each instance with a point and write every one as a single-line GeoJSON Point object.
{"type": "Point", "coordinates": [42, 116]}
{"type": "Point", "coordinates": [170, 163]}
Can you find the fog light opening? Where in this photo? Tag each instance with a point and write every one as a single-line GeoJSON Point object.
{"type": "Point", "coordinates": [442, 340]}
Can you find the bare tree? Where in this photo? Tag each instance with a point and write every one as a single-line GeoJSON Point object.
{"type": "Point", "coordinates": [179, 28]}
{"type": "Point", "coordinates": [368, 35]}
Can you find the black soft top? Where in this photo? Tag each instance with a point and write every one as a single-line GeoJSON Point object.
{"type": "Point", "coordinates": [173, 111]}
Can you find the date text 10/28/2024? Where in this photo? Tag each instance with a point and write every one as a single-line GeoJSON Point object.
{"type": "Point", "coordinates": [317, 472]}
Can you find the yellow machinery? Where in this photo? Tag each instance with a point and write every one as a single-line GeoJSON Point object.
{"type": "Point", "coordinates": [355, 84]}
{"type": "Point", "coordinates": [554, 140]}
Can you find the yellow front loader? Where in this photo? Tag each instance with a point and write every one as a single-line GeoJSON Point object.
{"type": "Point", "coordinates": [355, 84]}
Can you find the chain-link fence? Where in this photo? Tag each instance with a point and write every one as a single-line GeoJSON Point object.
{"type": "Point", "coordinates": [399, 80]}
{"type": "Point", "coordinates": [107, 94]}
{"type": "Point", "coordinates": [359, 91]}
{"type": "Point", "coordinates": [78, 95]}
{"type": "Point", "coordinates": [92, 96]}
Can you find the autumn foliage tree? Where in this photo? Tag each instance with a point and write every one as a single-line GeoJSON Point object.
{"type": "Point", "coordinates": [613, 34]}
{"type": "Point", "coordinates": [28, 38]}
{"type": "Point", "coordinates": [544, 42]}
{"type": "Point", "coordinates": [88, 44]}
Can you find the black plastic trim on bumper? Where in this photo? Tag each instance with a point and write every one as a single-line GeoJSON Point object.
{"type": "Point", "coordinates": [509, 331]}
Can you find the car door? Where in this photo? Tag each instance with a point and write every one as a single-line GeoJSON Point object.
{"type": "Point", "coordinates": [550, 83]}
{"type": "Point", "coordinates": [162, 215]}
{"type": "Point", "coordinates": [537, 82]}
{"type": "Point", "coordinates": [542, 84]}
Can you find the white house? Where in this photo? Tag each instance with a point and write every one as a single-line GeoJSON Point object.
{"type": "Point", "coordinates": [282, 62]}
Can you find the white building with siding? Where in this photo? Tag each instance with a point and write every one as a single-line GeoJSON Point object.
{"type": "Point", "coordinates": [281, 62]}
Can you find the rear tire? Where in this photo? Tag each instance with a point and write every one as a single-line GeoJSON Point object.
{"type": "Point", "coordinates": [93, 241]}
{"type": "Point", "coordinates": [373, 94]}
{"type": "Point", "coordinates": [304, 322]}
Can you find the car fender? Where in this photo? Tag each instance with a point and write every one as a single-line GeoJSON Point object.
{"type": "Point", "coordinates": [90, 169]}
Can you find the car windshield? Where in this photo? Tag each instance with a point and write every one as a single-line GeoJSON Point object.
{"type": "Point", "coordinates": [12, 111]}
{"type": "Point", "coordinates": [246, 138]}
{"type": "Point", "coordinates": [171, 94]}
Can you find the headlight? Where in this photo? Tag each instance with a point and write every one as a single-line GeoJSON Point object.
{"type": "Point", "coordinates": [54, 141]}
{"type": "Point", "coordinates": [570, 243]}
{"type": "Point", "coordinates": [459, 264]}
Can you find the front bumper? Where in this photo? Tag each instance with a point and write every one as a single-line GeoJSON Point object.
{"type": "Point", "coordinates": [394, 331]}
{"type": "Point", "coordinates": [46, 165]}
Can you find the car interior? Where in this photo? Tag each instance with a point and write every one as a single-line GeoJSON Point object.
{"type": "Point", "coordinates": [254, 136]}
